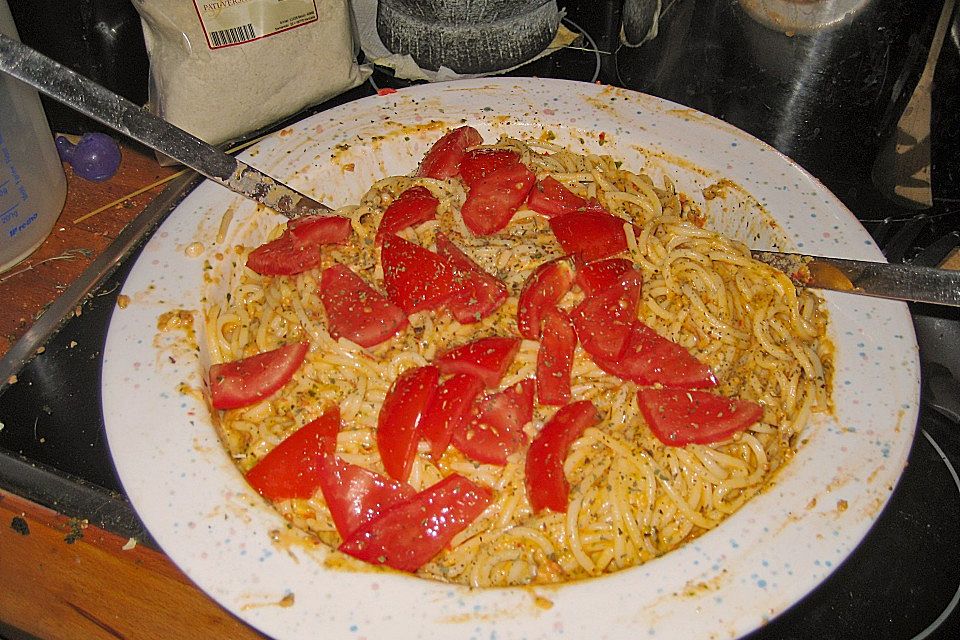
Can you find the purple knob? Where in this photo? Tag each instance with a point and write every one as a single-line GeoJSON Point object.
{"type": "Point", "coordinates": [95, 157]}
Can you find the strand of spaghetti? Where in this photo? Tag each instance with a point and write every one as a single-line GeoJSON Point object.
{"type": "Point", "coordinates": [573, 535]}
{"type": "Point", "coordinates": [623, 492]}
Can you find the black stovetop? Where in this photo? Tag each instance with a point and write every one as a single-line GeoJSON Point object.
{"type": "Point", "coordinates": [903, 581]}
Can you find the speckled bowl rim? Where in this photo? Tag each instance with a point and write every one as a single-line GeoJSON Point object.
{"type": "Point", "coordinates": [764, 558]}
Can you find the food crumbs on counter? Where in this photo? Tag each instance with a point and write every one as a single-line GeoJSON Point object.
{"type": "Point", "coordinates": [76, 530]}
{"type": "Point", "coordinates": [123, 301]}
{"type": "Point", "coordinates": [813, 503]}
{"type": "Point", "coordinates": [194, 249]}
{"type": "Point", "coordinates": [73, 343]}
{"type": "Point", "coordinates": [41, 350]}
{"type": "Point", "coordinates": [131, 544]}
{"type": "Point", "coordinates": [12, 380]}
{"type": "Point", "coordinates": [287, 600]}
{"type": "Point", "coordinates": [542, 603]}
{"type": "Point", "coordinates": [842, 506]}
{"type": "Point", "coordinates": [20, 525]}
{"type": "Point", "coordinates": [78, 311]}
{"type": "Point", "coordinates": [349, 166]}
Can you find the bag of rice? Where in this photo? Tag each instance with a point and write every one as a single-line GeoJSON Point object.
{"type": "Point", "coordinates": [223, 68]}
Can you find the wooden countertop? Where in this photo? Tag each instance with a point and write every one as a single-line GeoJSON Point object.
{"type": "Point", "coordinates": [74, 242]}
{"type": "Point", "coordinates": [63, 579]}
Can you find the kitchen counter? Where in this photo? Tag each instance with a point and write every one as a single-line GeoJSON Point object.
{"type": "Point", "coordinates": [74, 559]}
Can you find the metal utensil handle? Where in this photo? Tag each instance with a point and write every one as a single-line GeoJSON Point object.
{"type": "Point", "coordinates": [118, 113]}
{"type": "Point", "coordinates": [92, 100]}
{"type": "Point", "coordinates": [913, 283]}
{"type": "Point", "coordinates": [902, 281]}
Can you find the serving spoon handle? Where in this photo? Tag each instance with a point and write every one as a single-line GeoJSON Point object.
{"type": "Point", "coordinates": [118, 113]}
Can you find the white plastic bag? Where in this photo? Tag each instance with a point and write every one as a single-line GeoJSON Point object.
{"type": "Point", "coordinates": [223, 68]}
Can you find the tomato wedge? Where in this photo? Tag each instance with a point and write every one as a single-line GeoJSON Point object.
{"type": "Point", "coordinates": [522, 394]}
{"type": "Point", "coordinates": [412, 207]}
{"type": "Point", "coordinates": [547, 486]}
{"type": "Point", "coordinates": [249, 380]}
{"type": "Point", "coordinates": [298, 249]}
{"type": "Point", "coordinates": [555, 358]}
{"type": "Point", "coordinates": [356, 311]}
{"type": "Point", "coordinates": [604, 320]}
{"type": "Point", "coordinates": [542, 291]}
{"type": "Point", "coordinates": [407, 535]}
{"type": "Point", "coordinates": [679, 417]}
{"type": "Point", "coordinates": [479, 294]}
{"type": "Point", "coordinates": [446, 409]}
{"type": "Point", "coordinates": [477, 164]}
{"type": "Point", "coordinates": [293, 469]}
{"type": "Point", "coordinates": [550, 198]}
{"type": "Point", "coordinates": [486, 358]}
{"type": "Point", "coordinates": [417, 279]}
{"type": "Point", "coordinates": [595, 277]}
{"type": "Point", "coordinates": [443, 159]}
{"type": "Point", "coordinates": [492, 201]}
{"type": "Point", "coordinates": [356, 495]}
{"type": "Point", "coordinates": [649, 358]}
{"type": "Point", "coordinates": [397, 434]}
{"type": "Point", "coordinates": [492, 430]}
{"type": "Point", "coordinates": [591, 234]}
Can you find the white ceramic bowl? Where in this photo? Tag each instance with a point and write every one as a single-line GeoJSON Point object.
{"type": "Point", "coordinates": [731, 580]}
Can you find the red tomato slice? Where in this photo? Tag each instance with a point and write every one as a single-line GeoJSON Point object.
{"type": "Point", "coordinates": [355, 311]}
{"type": "Point", "coordinates": [679, 416]}
{"type": "Point", "coordinates": [522, 394]}
{"type": "Point", "coordinates": [550, 198]}
{"type": "Point", "coordinates": [591, 234]}
{"type": "Point", "coordinates": [446, 409]}
{"type": "Point", "coordinates": [542, 291]}
{"type": "Point", "coordinates": [250, 380]}
{"type": "Point", "coordinates": [397, 434]}
{"type": "Point", "coordinates": [480, 293]}
{"type": "Point", "coordinates": [477, 164]}
{"type": "Point", "coordinates": [547, 486]}
{"type": "Point", "coordinates": [492, 430]}
{"type": "Point", "coordinates": [356, 495]}
{"type": "Point", "coordinates": [555, 358]}
{"type": "Point", "coordinates": [486, 358]}
{"type": "Point", "coordinates": [293, 469]}
{"type": "Point", "coordinates": [298, 249]}
{"type": "Point", "coordinates": [443, 159]}
{"type": "Point", "coordinates": [492, 201]}
{"type": "Point", "coordinates": [597, 276]}
{"type": "Point", "coordinates": [407, 535]}
{"type": "Point", "coordinates": [604, 320]}
{"type": "Point", "coordinates": [649, 358]}
{"type": "Point", "coordinates": [417, 279]}
{"type": "Point", "coordinates": [412, 207]}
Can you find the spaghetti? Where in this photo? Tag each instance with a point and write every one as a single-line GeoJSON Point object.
{"type": "Point", "coordinates": [632, 498]}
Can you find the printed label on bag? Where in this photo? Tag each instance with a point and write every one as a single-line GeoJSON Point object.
{"type": "Point", "coordinates": [231, 22]}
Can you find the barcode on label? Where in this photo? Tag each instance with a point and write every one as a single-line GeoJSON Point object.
{"type": "Point", "coordinates": [224, 37]}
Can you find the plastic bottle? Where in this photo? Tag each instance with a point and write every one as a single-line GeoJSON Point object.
{"type": "Point", "coordinates": [33, 186]}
